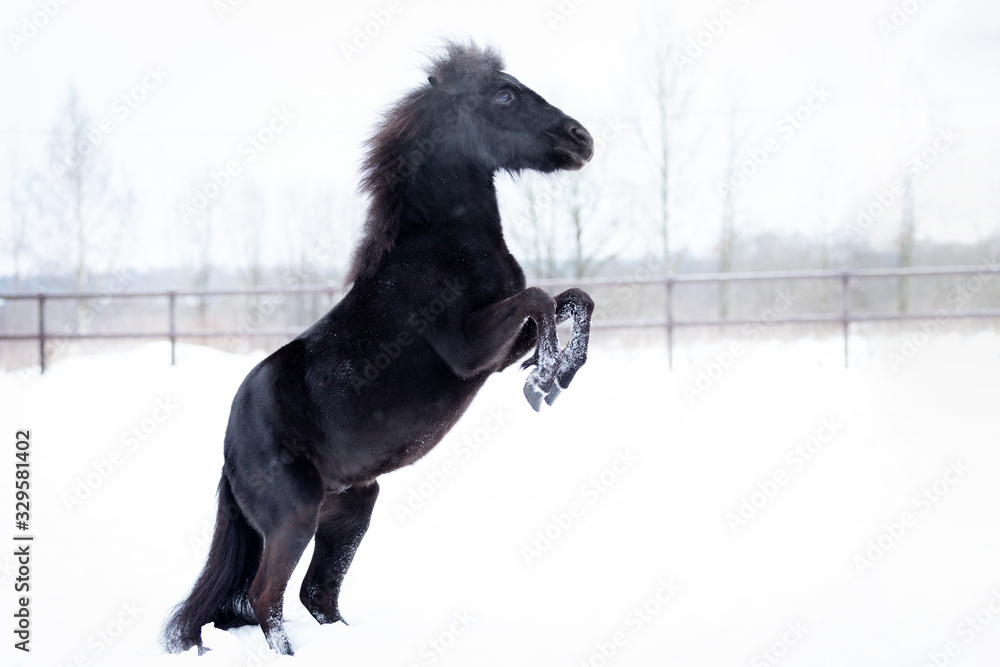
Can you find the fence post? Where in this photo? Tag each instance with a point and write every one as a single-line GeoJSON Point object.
{"type": "Point", "coordinates": [845, 300]}
{"type": "Point", "coordinates": [41, 331]}
{"type": "Point", "coordinates": [670, 322]}
{"type": "Point", "coordinates": [172, 296]}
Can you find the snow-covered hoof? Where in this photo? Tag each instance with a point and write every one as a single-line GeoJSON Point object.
{"type": "Point", "coordinates": [279, 643]}
{"type": "Point", "coordinates": [540, 383]}
{"type": "Point", "coordinates": [534, 395]}
{"type": "Point", "coordinates": [326, 619]}
{"type": "Point", "coordinates": [553, 394]}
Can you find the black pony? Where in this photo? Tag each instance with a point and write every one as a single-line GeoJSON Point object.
{"type": "Point", "coordinates": [438, 303]}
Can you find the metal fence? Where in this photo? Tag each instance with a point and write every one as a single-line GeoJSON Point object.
{"type": "Point", "coordinates": [669, 322]}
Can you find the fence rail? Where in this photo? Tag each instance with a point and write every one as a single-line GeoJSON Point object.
{"type": "Point", "coordinates": [669, 323]}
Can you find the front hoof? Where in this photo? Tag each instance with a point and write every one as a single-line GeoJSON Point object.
{"type": "Point", "coordinates": [553, 393]}
{"type": "Point", "coordinates": [534, 395]}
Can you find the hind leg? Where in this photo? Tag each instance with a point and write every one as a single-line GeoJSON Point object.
{"type": "Point", "coordinates": [286, 513]}
{"type": "Point", "coordinates": [282, 549]}
{"type": "Point", "coordinates": [343, 521]}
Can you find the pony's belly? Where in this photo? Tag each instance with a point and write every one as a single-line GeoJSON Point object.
{"type": "Point", "coordinates": [391, 438]}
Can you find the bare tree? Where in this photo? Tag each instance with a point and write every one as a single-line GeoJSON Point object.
{"type": "Point", "coordinates": [534, 228]}
{"type": "Point", "coordinates": [560, 228]}
{"type": "Point", "coordinates": [824, 206]}
{"type": "Point", "coordinates": [907, 240]}
{"type": "Point", "coordinates": [200, 230]}
{"type": "Point", "coordinates": [663, 102]}
{"type": "Point", "coordinates": [590, 241]}
{"type": "Point", "coordinates": [21, 211]}
{"type": "Point", "coordinates": [310, 224]}
{"type": "Point", "coordinates": [671, 100]}
{"type": "Point", "coordinates": [87, 210]}
{"type": "Point", "coordinates": [727, 233]}
{"type": "Point", "coordinates": [249, 229]}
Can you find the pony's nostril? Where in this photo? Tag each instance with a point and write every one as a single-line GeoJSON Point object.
{"type": "Point", "coordinates": [580, 134]}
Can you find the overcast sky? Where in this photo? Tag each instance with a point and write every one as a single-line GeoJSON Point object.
{"type": "Point", "coordinates": [880, 96]}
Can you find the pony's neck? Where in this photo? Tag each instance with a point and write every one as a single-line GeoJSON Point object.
{"type": "Point", "coordinates": [446, 197]}
{"type": "Point", "coordinates": [446, 193]}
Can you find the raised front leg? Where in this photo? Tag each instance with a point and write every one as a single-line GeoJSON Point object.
{"type": "Point", "coordinates": [486, 338]}
{"type": "Point", "coordinates": [576, 304]}
{"type": "Point", "coordinates": [489, 337]}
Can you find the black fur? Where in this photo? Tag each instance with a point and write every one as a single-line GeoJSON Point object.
{"type": "Point", "coordinates": [437, 304]}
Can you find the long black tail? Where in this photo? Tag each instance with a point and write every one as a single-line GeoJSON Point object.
{"type": "Point", "coordinates": [220, 594]}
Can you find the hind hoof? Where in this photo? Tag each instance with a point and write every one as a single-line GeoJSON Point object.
{"type": "Point", "coordinates": [326, 619]}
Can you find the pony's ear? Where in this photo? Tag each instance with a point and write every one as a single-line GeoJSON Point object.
{"type": "Point", "coordinates": [445, 84]}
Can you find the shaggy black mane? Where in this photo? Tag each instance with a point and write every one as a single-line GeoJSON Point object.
{"type": "Point", "coordinates": [458, 68]}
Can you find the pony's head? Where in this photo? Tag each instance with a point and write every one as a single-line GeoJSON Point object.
{"type": "Point", "coordinates": [469, 113]}
{"type": "Point", "coordinates": [495, 120]}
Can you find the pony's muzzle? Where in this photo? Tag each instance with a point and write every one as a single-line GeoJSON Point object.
{"type": "Point", "coordinates": [581, 148]}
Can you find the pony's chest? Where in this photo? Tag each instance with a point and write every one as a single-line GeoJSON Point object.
{"type": "Point", "coordinates": [495, 274]}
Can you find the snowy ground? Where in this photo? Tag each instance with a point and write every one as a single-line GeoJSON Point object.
{"type": "Point", "coordinates": [608, 530]}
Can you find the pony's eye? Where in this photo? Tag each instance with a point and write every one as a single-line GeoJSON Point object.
{"type": "Point", "coordinates": [504, 98]}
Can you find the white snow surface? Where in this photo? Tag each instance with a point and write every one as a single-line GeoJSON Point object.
{"type": "Point", "coordinates": [646, 567]}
